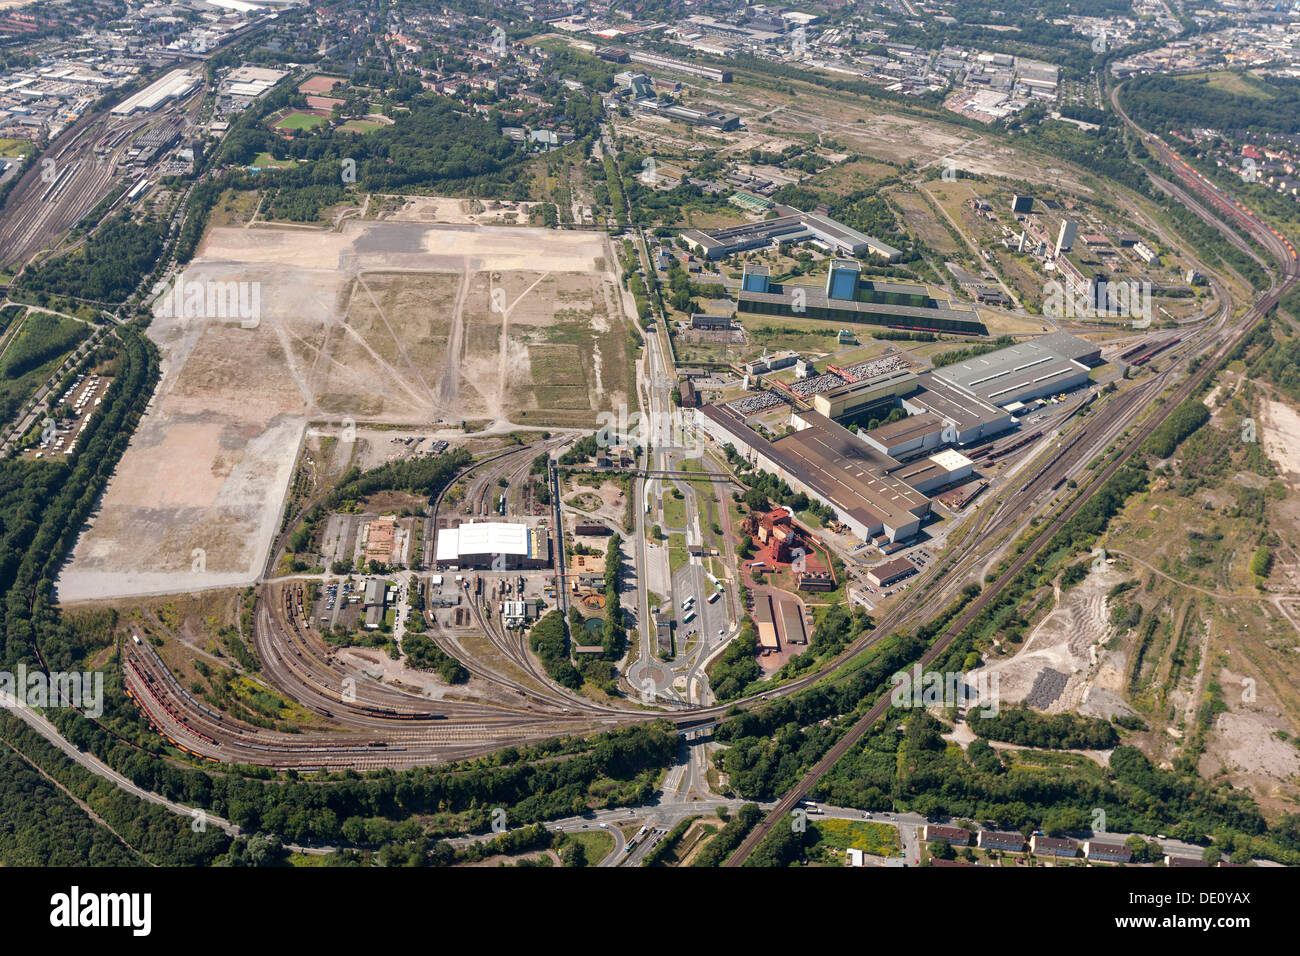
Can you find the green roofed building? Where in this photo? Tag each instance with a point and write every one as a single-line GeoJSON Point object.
{"type": "Point", "coordinates": [751, 203]}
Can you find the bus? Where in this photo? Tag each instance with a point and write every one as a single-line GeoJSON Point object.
{"type": "Point", "coordinates": [690, 616]}
{"type": "Point", "coordinates": [714, 596]}
{"type": "Point", "coordinates": [688, 602]}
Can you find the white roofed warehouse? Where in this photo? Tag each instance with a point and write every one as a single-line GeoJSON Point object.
{"type": "Point", "coordinates": [175, 85]}
{"type": "Point", "coordinates": [493, 545]}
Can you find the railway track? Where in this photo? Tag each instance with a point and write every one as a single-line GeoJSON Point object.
{"type": "Point", "coordinates": [306, 670]}
{"type": "Point", "coordinates": [1290, 273]}
{"type": "Point", "coordinates": [367, 711]}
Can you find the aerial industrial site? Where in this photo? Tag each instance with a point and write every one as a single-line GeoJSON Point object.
{"type": "Point", "coordinates": [675, 434]}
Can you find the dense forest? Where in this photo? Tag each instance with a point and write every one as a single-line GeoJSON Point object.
{"type": "Point", "coordinates": [1020, 725]}
{"type": "Point", "coordinates": [422, 652]}
{"type": "Point", "coordinates": [917, 769]}
{"type": "Point", "coordinates": [770, 748]}
{"type": "Point", "coordinates": [1158, 102]}
{"type": "Point", "coordinates": [550, 643]}
{"type": "Point", "coordinates": [42, 826]}
{"type": "Point", "coordinates": [434, 144]}
{"type": "Point", "coordinates": [107, 269]}
{"type": "Point", "coordinates": [42, 338]}
{"type": "Point", "coordinates": [43, 505]}
{"type": "Point", "coordinates": [1279, 363]}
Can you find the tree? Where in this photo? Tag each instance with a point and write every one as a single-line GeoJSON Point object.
{"type": "Point", "coordinates": [574, 854]}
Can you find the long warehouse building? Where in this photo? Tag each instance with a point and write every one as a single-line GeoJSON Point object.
{"type": "Point", "coordinates": [1025, 371]}
{"type": "Point", "coordinates": [176, 84]}
{"type": "Point", "coordinates": [790, 225]}
{"type": "Point", "coordinates": [872, 493]}
{"type": "Point", "coordinates": [847, 297]}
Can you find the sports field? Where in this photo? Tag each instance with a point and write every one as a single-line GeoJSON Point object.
{"type": "Point", "coordinates": [300, 120]}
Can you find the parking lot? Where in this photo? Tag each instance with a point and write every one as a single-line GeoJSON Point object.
{"type": "Point", "coordinates": [692, 587]}
{"type": "Point", "coordinates": [81, 399]}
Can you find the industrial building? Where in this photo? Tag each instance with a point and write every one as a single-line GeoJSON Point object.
{"type": "Point", "coordinates": [939, 470]}
{"type": "Point", "coordinates": [942, 413]}
{"type": "Point", "coordinates": [907, 436]}
{"type": "Point", "coordinates": [766, 626]}
{"type": "Point", "coordinates": [846, 297]}
{"type": "Point", "coordinates": [715, 119]}
{"type": "Point", "coordinates": [829, 463]}
{"type": "Point", "coordinates": [1065, 238]}
{"type": "Point", "coordinates": [790, 225]}
{"type": "Point", "coordinates": [1026, 371]}
{"type": "Point", "coordinates": [883, 575]}
{"type": "Point", "coordinates": [971, 418]}
{"type": "Point", "coordinates": [518, 613]}
{"type": "Point", "coordinates": [494, 545]}
{"type": "Point", "coordinates": [175, 85]}
{"type": "Point", "coordinates": [710, 323]}
{"type": "Point", "coordinates": [673, 65]}
{"type": "Point", "coordinates": [375, 602]}
{"type": "Point", "coordinates": [855, 397]}
{"type": "Point", "coordinates": [252, 81]}
{"type": "Point", "coordinates": [880, 481]}
{"type": "Point", "coordinates": [1090, 284]}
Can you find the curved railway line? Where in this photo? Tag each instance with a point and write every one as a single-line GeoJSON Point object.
{"type": "Point", "coordinates": [380, 725]}
{"type": "Point", "coordinates": [297, 663]}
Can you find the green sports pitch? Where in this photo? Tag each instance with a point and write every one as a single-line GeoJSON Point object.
{"type": "Point", "coordinates": [298, 120]}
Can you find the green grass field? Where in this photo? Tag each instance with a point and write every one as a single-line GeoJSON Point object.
{"type": "Point", "coordinates": [14, 147]}
{"type": "Point", "coordinates": [360, 126]}
{"type": "Point", "coordinates": [298, 120]}
{"type": "Point", "coordinates": [677, 556]}
{"type": "Point", "coordinates": [267, 161]}
{"type": "Point", "coordinates": [836, 836]}
{"type": "Point", "coordinates": [1234, 83]}
{"type": "Point", "coordinates": [597, 843]}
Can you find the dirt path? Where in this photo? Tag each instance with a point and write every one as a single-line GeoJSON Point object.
{"type": "Point", "coordinates": [1217, 595]}
{"type": "Point", "coordinates": [449, 383]}
{"type": "Point", "coordinates": [411, 366]}
{"type": "Point", "coordinates": [505, 366]}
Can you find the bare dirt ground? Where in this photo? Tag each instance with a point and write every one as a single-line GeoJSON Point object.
{"type": "Point", "coordinates": [1244, 744]}
{"type": "Point", "coordinates": [376, 663]}
{"type": "Point", "coordinates": [613, 503]}
{"type": "Point", "coordinates": [1280, 426]}
{"type": "Point", "coordinates": [384, 323]}
{"type": "Point", "coordinates": [864, 126]}
{"type": "Point", "coordinates": [1070, 642]}
{"type": "Point", "coordinates": [464, 211]}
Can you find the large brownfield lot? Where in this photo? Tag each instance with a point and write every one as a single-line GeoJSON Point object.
{"type": "Point", "coordinates": [414, 324]}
